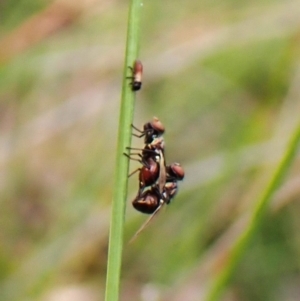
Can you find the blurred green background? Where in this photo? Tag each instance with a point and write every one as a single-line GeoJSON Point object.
{"type": "Point", "coordinates": [223, 77]}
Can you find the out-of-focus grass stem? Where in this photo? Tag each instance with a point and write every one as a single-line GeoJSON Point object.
{"type": "Point", "coordinates": [222, 279]}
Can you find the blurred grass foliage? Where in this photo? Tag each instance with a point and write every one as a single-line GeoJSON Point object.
{"type": "Point", "coordinates": [223, 78]}
{"type": "Point", "coordinates": [14, 12]}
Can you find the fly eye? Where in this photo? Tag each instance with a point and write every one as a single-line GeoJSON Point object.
{"type": "Point", "coordinates": [177, 171]}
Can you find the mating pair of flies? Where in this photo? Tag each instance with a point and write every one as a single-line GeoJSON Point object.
{"type": "Point", "coordinates": [157, 181]}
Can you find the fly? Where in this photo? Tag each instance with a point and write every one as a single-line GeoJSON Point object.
{"type": "Point", "coordinates": [151, 201]}
{"type": "Point", "coordinates": [137, 75]}
{"type": "Point", "coordinates": [151, 130]}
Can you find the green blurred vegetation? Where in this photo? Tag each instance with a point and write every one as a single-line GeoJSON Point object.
{"type": "Point", "coordinates": [222, 77]}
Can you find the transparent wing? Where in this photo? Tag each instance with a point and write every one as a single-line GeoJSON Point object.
{"type": "Point", "coordinates": [162, 173]}
{"type": "Point", "coordinates": [146, 223]}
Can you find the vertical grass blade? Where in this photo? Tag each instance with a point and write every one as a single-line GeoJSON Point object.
{"type": "Point", "coordinates": [121, 170]}
{"type": "Point", "coordinates": [240, 245]}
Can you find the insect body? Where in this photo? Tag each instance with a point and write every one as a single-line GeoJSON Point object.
{"type": "Point", "coordinates": [151, 201]}
{"type": "Point", "coordinates": [137, 74]}
{"type": "Point", "coordinates": [149, 174]}
{"type": "Point", "coordinates": [148, 201]}
{"type": "Point", "coordinates": [152, 159]}
{"type": "Point", "coordinates": [151, 130]}
{"type": "Point", "coordinates": [157, 181]}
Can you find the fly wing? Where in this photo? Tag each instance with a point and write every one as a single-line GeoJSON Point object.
{"type": "Point", "coordinates": [162, 172]}
{"type": "Point", "coordinates": [146, 223]}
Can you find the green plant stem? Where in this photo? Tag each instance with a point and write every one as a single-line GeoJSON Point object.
{"type": "Point", "coordinates": [121, 170]}
{"type": "Point", "coordinates": [240, 245]}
